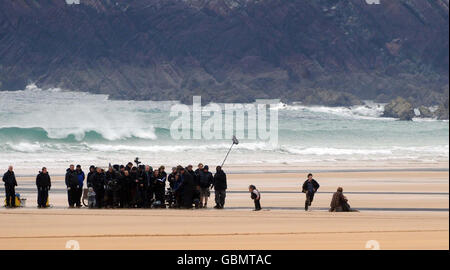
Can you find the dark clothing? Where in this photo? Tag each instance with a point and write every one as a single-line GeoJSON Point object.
{"type": "Point", "coordinates": [99, 181]}
{"type": "Point", "coordinates": [171, 180]}
{"type": "Point", "coordinates": [220, 181]}
{"type": "Point", "coordinates": [43, 184]}
{"type": "Point", "coordinates": [256, 197]}
{"type": "Point", "coordinates": [9, 178]}
{"type": "Point", "coordinates": [220, 196]}
{"type": "Point", "coordinates": [89, 179]}
{"type": "Point", "coordinates": [10, 191]}
{"type": "Point", "coordinates": [310, 188]}
{"type": "Point", "coordinates": [187, 189]}
{"type": "Point", "coordinates": [43, 180]}
{"type": "Point", "coordinates": [307, 185]}
{"type": "Point", "coordinates": [206, 179]}
{"type": "Point", "coordinates": [71, 178]}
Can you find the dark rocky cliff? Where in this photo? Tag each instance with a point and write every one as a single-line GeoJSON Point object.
{"type": "Point", "coordinates": [333, 52]}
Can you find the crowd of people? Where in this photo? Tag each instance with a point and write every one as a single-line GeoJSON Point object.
{"type": "Point", "coordinates": [141, 186]}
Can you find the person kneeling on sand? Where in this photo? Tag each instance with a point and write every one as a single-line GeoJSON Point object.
{"type": "Point", "coordinates": [339, 202]}
{"type": "Point", "coordinates": [256, 197]}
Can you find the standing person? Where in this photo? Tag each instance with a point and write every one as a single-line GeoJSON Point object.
{"type": "Point", "coordinates": [220, 187]}
{"type": "Point", "coordinates": [89, 176]}
{"type": "Point", "coordinates": [125, 189]}
{"type": "Point", "coordinates": [160, 187]}
{"type": "Point", "coordinates": [206, 180]}
{"type": "Point", "coordinates": [71, 180]}
{"type": "Point", "coordinates": [43, 184]}
{"type": "Point", "coordinates": [199, 168]}
{"type": "Point", "coordinates": [310, 187]}
{"type": "Point", "coordinates": [98, 184]}
{"type": "Point", "coordinates": [187, 188]}
{"type": "Point", "coordinates": [256, 197]}
{"type": "Point", "coordinates": [9, 178]}
{"type": "Point", "coordinates": [171, 178]}
{"type": "Point", "coordinates": [142, 187]}
{"type": "Point", "coordinates": [81, 176]}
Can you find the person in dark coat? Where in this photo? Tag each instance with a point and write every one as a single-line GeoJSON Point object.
{"type": "Point", "coordinates": [9, 178]}
{"type": "Point", "coordinates": [310, 187]}
{"type": "Point", "coordinates": [79, 191]}
{"type": "Point", "coordinates": [98, 183]}
{"type": "Point", "coordinates": [159, 181]}
{"type": "Point", "coordinates": [72, 184]}
{"type": "Point", "coordinates": [206, 180]}
{"type": "Point", "coordinates": [112, 188]}
{"type": "Point", "coordinates": [220, 187]}
{"type": "Point", "coordinates": [125, 183]}
{"type": "Point", "coordinates": [142, 186]}
{"type": "Point", "coordinates": [90, 175]}
{"type": "Point", "coordinates": [43, 184]}
{"type": "Point", "coordinates": [171, 178]}
{"type": "Point", "coordinates": [187, 188]}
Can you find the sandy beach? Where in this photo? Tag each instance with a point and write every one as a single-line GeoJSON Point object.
{"type": "Point", "coordinates": [403, 209]}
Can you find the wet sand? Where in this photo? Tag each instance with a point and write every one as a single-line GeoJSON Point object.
{"type": "Point", "coordinates": [400, 209]}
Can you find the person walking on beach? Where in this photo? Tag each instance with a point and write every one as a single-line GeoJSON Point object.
{"type": "Point", "coordinates": [43, 184]}
{"type": "Point", "coordinates": [9, 178]}
{"type": "Point", "coordinates": [220, 187]}
{"type": "Point", "coordinates": [79, 191]}
{"type": "Point", "coordinates": [310, 187]}
{"type": "Point", "coordinates": [256, 197]}
{"type": "Point", "coordinates": [72, 183]}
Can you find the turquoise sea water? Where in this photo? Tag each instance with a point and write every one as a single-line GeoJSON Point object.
{"type": "Point", "coordinates": [42, 127]}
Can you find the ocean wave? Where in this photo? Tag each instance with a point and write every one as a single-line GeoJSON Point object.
{"type": "Point", "coordinates": [75, 134]}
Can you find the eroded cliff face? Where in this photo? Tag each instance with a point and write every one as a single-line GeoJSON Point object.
{"type": "Point", "coordinates": [230, 50]}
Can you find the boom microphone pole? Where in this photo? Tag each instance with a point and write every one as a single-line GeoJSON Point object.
{"type": "Point", "coordinates": [235, 141]}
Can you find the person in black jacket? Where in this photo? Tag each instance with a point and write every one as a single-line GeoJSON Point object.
{"type": "Point", "coordinates": [187, 188]}
{"type": "Point", "coordinates": [206, 181]}
{"type": "Point", "coordinates": [220, 187]}
{"type": "Point", "coordinates": [72, 185]}
{"type": "Point", "coordinates": [43, 184]}
{"type": "Point", "coordinates": [142, 186]}
{"type": "Point", "coordinates": [89, 176]}
{"type": "Point", "coordinates": [310, 187]}
{"type": "Point", "coordinates": [98, 183]}
{"type": "Point", "coordinates": [10, 187]}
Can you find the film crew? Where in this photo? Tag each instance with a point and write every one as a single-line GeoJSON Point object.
{"type": "Point", "coordinates": [43, 184]}
{"type": "Point", "coordinates": [98, 184]}
{"type": "Point", "coordinates": [72, 184]}
{"type": "Point", "coordinates": [220, 187]}
{"type": "Point", "coordinates": [79, 190]}
{"type": "Point", "coordinates": [9, 178]}
{"type": "Point", "coordinates": [206, 181]}
{"type": "Point", "coordinates": [310, 187]}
